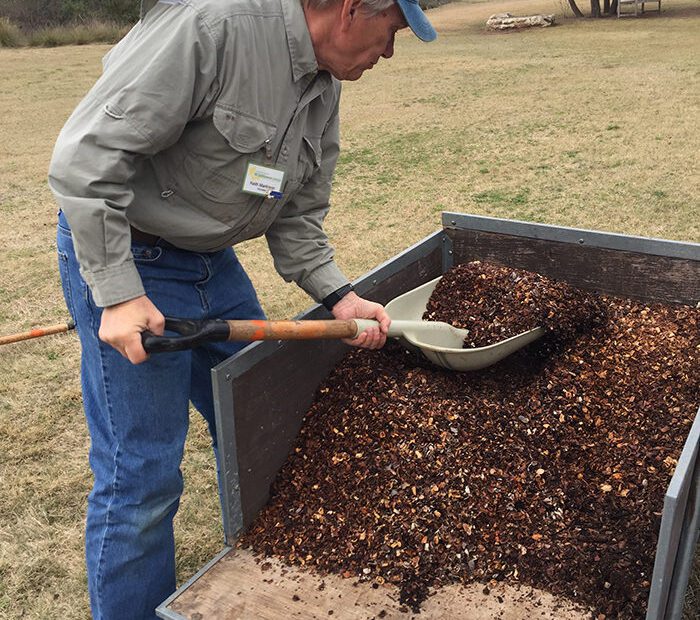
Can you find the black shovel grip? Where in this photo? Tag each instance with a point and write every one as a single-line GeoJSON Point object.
{"type": "Point", "coordinates": [193, 333]}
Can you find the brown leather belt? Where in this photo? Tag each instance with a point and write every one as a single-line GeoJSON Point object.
{"type": "Point", "coordinates": [143, 237]}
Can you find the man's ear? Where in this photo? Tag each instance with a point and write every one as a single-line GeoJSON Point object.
{"type": "Point", "coordinates": [349, 12]}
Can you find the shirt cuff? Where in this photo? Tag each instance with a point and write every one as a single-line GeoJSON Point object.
{"type": "Point", "coordinates": [323, 280]}
{"type": "Point", "coordinates": [114, 285]}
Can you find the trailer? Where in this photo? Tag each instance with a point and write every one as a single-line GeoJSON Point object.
{"type": "Point", "coordinates": [262, 393]}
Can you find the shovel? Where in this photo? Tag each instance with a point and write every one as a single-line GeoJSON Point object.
{"type": "Point", "coordinates": [38, 332]}
{"type": "Point", "coordinates": [440, 342]}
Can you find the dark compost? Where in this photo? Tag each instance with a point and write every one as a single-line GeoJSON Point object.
{"type": "Point", "coordinates": [548, 469]}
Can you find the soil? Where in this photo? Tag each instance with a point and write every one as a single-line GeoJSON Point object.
{"type": "Point", "coordinates": [548, 469]}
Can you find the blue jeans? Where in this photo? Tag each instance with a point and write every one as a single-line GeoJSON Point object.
{"type": "Point", "coordinates": [137, 417]}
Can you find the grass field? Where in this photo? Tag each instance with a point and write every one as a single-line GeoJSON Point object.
{"type": "Point", "coordinates": [592, 124]}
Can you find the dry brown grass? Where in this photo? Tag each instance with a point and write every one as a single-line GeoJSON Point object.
{"type": "Point", "coordinates": [590, 124]}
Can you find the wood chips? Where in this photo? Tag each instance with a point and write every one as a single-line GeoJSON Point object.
{"type": "Point", "coordinates": [548, 469]}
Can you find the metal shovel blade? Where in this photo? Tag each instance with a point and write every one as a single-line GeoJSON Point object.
{"type": "Point", "coordinates": [442, 343]}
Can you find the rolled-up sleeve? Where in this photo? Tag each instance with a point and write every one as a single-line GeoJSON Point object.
{"type": "Point", "coordinates": [297, 241]}
{"type": "Point", "coordinates": [153, 83]}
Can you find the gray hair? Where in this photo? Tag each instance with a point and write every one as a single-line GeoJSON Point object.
{"type": "Point", "coordinates": [371, 6]}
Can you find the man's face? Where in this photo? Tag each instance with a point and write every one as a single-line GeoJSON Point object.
{"type": "Point", "coordinates": [363, 41]}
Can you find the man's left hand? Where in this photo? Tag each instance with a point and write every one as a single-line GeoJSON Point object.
{"type": "Point", "coordinates": [354, 307]}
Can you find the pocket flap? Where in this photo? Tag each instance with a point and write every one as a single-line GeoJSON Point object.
{"type": "Point", "coordinates": [244, 134]}
{"type": "Point", "coordinates": [314, 145]}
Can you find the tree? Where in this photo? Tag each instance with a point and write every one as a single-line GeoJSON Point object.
{"type": "Point", "coordinates": [575, 9]}
{"type": "Point", "coordinates": [609, 8]}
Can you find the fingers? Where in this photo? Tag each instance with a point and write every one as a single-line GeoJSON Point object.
{"type": "Point", "coordinates": [372, 338]}
{"type": "Point", "coordinates": [354, 307]}
{"type": "Point", "coordinates": [126, 340]}
{"type": "Point", "coordinates": [121, 327]}
{"type": "Point", "coordinates": [134, 351]}
{"type": "Point", "coordinates": [375, 337]}
{"type": "Point", "coordinates": [384, 320]}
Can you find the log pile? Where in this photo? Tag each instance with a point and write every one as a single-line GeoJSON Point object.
{"type": "Point", "coordinates": [507, 21]}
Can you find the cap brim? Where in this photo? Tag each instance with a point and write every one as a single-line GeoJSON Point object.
{"type": "Point", "coordinates": [417, 21]}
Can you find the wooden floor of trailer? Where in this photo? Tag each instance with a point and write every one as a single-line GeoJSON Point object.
{"type": "Point", "coordinates": [240, 586]}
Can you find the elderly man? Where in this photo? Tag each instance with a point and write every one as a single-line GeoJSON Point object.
{"type": "Point", "coordinates": [214, 121]}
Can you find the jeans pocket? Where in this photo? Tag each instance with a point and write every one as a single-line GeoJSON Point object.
{"type": "Point", "coordinates": [65, 282]}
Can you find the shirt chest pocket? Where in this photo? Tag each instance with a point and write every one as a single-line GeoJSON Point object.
{"type": "Point", "coordinates": [219, 169]}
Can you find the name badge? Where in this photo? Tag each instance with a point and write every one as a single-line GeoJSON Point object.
{"type": "Point", "coordinates": [263, 181]}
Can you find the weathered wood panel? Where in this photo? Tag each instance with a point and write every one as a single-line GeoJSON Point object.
{"type": "Point", "coordinates": [241, 587]}
{"type": "Point", "coordinates": [627, 273]}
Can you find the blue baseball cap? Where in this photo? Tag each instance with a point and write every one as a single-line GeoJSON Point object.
{"type": "Point", "coordinates": [416, 20]}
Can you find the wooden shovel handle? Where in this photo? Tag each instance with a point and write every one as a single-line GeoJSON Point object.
{"type": "Point", "coordinates": [194, 333]}
{"type": "Point", "coordinates": [38, 332]}
{"type": "Point", "coordinates": [291, 330]}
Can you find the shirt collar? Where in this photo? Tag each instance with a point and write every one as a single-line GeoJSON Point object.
{"type": "Point", "coordinates": [301, 50]}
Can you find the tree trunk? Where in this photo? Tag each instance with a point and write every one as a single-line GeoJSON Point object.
{"type": "Point", "coordinates": [606, 7]}
{"type": "Point", "coordinates": [595, 8]}
{"type": "Point", "coordinates": [613, 7]}
{"type": "Point", "coordinates": [575, 9]}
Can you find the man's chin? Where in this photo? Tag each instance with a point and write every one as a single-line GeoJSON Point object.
{"type": "Point", "coordinates": [349, 76]}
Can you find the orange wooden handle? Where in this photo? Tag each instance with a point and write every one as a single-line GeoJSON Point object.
{"type": "Point", "coordinates": [291, 330]}
{"type": "Point", "coordinates": [37, 333]}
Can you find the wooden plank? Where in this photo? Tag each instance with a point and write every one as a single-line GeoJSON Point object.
{"type": "Point", "coordinates": [576, 236]}
{"type": "Point", "coordinates": [627, 273]}
{"type": "Point", "coordinates": [240, 587]}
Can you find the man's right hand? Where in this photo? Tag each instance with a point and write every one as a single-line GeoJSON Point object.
{"type": "Point", "coordinates": [123, 323]}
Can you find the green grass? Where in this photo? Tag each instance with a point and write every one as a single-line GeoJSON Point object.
{"type": "Point", "coordinates": [77, 34]}
{"type": "Point", "coordinates": [591, 124]}
{"type": "Point", "coordinates": [83, 33]}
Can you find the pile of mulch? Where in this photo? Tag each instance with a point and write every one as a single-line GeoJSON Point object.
{"type": "Point", "coordinates": [495, 302]}
{"type": "Point", "coordinates": [545, 470]}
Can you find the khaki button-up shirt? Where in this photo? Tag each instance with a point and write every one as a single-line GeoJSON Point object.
{"type": "Point", "coordinates": [195, 92]}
